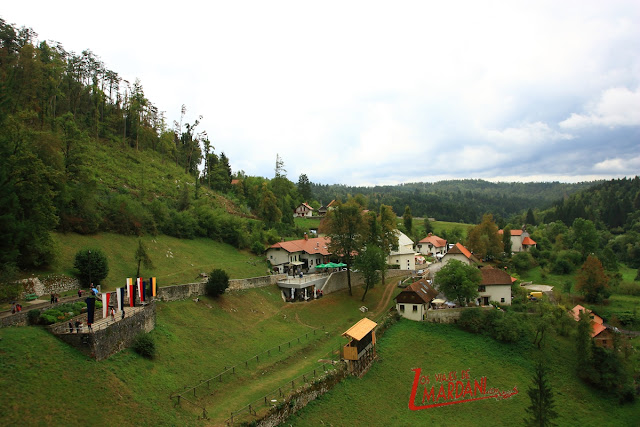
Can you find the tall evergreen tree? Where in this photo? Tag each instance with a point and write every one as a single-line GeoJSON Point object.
{"type": "Point", "coordinates": [407, 219]}
{"type": "Point", "coordinates": [541, 412]}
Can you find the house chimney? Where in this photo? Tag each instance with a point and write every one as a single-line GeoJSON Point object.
{"type": "Point", "coordinates": [306, 237]}
{"type": "Point", "coordinates": [430, 234]}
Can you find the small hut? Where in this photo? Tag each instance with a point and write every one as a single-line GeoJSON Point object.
{"type": "Point", "coordinates": [360, 350]}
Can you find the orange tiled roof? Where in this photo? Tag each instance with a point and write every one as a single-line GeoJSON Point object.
{"type": "Point", "coordinates": [597, 328]}
{"type": "Point", "coordinates": [513, 232]}
{"type": "Point", "coordinates": [315, 245]}
{"type": "Point", "coordinates": [528, 241]}
{"type": "Point", "coordinates": [459, 249]}
{"type": "Point", "coordinates": [436, 241]}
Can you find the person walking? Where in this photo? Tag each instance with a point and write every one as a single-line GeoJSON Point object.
{"type": "Point", "coordinates": [78, 324]}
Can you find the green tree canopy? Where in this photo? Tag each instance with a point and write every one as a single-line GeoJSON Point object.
{"type": "Point", "coordinates": [592, 281]}
{"type": "Point", "coordinates": [370, 261]}
{"type": "Point", "coordinates": [217, 283]}
{"type": "Point", "coordinates": [91, 266]}
{"type": "Point", "coordinates": [344, 226]}
{"type": "Point", "coordinates": [407, 219]}
{"type": "Point", "coordinates": [459, 281]}
{"type": "Point", "coordinates": [484, 239]}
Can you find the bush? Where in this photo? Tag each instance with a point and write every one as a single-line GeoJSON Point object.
{"type": "Point", "coordinates": [145, 346]}
{"type": "Point", "coordinates": [33, 316]}
{"type": "Point", "coordinates": [471, 320]}
{"type": "Point", "coordinates": [522, 261]}
{"type": "Point", "coordinates": [217, 283]}
{"type": "Point", "coordinates": [257, 248]}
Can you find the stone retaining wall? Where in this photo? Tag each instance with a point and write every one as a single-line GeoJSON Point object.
{"type": "Point", "coordinates": [255, 282]}
{"type": "Point", "coordinates": [105, 342]}
{"type": "Point", "coordinates": [50, 284]}
{"type": "Point", "coordinates": [192, 290]}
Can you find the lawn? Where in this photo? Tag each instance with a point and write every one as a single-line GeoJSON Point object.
{"type": "Point", "coordinates": [50, 383]}
{"type": "Point", "coordinates": [381, 397]}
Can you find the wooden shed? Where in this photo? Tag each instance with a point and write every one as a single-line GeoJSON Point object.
{"type": "Point", "coordinates": [360, 350]}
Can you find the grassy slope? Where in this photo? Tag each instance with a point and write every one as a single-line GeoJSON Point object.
{"type": "Point", "coordinates": [175, 260]}
{"type": "Point", "coordinates": [381, 396]}
{"type": "Point", "coordinates": [52, 383]}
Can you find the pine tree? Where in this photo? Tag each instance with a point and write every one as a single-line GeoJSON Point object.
{"type": "Point", "coordinates": [541, 411]}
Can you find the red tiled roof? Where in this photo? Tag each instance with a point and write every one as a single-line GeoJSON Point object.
{"type": "Point", "coordinates": [528, 241]}
{"type": "Point", "coordinates": [235, 181]}
{"type": "Point", "coordinates": [436, 241]}
{"type": "Point", "coordinates": [306, 206]}
{"type": "Point", "coordinates": [597, 329]}
{"type": "Point", "coordinates": [493, 276]}
{"type": "Point", "coordinates": [315, 245]}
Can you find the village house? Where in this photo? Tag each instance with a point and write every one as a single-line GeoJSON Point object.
{"type": "Point", "coordinates": [495, 286]}
{"type": "Point", "coordinates": [298, 255]}
{"type": "Point", "coordinates": [520, 240]}
{"type": "Point", "coordinates": [303, 210]}
{"type": "Point", "coordinates": [324, 209]}
{"type": "Point", "coordinates": [432, 245]}
{"type": "Point", "coordinates": [414, 301]}
{"type": "Point", "coordinates": [404, 257]}
{"type": "Point", "coordinates": [602, 336]}
{"type": "Point", "coordinates": [457, 252]}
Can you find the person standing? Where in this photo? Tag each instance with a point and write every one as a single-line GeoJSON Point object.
{"type": "Point", "coordinates": [78, 324]}
{"type": "Point", "coordinates": [70, 327]}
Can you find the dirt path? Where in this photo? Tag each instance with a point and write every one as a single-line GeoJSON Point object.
{"type": "Point", "coordinates": [386, 297]}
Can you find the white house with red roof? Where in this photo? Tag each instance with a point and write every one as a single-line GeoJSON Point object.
{"type": "Point", "coordinates": [303, 210]}
{"type": "Point", "coordinates": [457, 252]}
{"type": "Point", "coordinates": [299, 255]}
{"type": "Point", "coordinates": [432, 245]}
{"type": "Point", "coordinates": [520, 240]}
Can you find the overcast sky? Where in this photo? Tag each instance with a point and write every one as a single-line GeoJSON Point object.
{"type": "Point", "coordinates": [366, 92]}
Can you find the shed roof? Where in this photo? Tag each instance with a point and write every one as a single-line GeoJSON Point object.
{"type": "Point", "coordinates": [360, 329]}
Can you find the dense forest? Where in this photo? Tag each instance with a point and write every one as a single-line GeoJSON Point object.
{"type": "Point", "coordinates": [457, 200]}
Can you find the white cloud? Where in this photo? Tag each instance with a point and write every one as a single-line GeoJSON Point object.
{"type": "Point", "coordinates": [529, 133]}
{"type": "Point", "coordinates": [615, 107]}
{"type": "Point", "coordinates": [619, 165]}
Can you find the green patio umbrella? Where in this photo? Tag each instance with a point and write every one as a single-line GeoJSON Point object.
{"type": "Point", "coordinates": [341, 264]}
{"type": "Point", "coordinates": [321, 266]}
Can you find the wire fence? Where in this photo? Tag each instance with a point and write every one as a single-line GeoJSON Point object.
{"type": "Point", "coordinates": [192, 391]}
{"type": "Point", "coordinates": [280, 395]}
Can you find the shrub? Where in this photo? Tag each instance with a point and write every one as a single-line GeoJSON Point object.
{"type": "Point", "coordinates": [47, 319]}
{"type": "Point", "coordinates": [257, 248]}
{"type": "Point", "coordinates": [33, 316]}
{"type": "Point", "coordinates": [217, 283]}
{"type": "Point", "coordinates": [522, 261]}
{"type": "Point", "coordinates": [471, 320]}
{"type": "Point", "coordinates": [508, 327]}
{"type": "Point", "coordinates": [144, 345]}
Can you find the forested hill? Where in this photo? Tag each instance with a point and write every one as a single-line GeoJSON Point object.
{"type": "Point", "coordinates": [614, 205]}
{"type": "Point", "coordinates": [458, 200]}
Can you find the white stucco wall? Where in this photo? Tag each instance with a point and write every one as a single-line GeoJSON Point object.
{"type": "Point", "coordinates": [496, 293]}
{"type": "Point", "coordinates": [408, 312]}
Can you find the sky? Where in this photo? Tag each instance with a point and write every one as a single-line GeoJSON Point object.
{"type": "Point", "coordinates": [373, 93]}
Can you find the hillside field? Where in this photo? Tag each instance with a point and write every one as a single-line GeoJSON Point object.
{"type": "Point", "coordinates": [381, 397]}
{"type": "Point", "coordinates": [175, 261]}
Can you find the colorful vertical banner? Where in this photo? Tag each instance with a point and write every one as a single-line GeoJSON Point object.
{"type": "Point", "coordinates": [120, 295]}
{"type": "Point", "coordinates": [153, 287]}
{"type": "Point", "coordinates": [129, 281]}
{"type": "Point", "coordinates": [106, 297]}
{"type": "Point", "coordinates": [132, 294]}
{"type": "Point", "coordinates": [140, 288]}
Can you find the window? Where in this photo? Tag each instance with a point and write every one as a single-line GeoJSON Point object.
{"type": "Point", "coordinates": [415, 308]}
{"type": "Point", "coordinates": [501, 299]}
{"type": "Point", "coordinates": [482, 288]}
{"type": "Point", "coordinates": [402, 308]}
